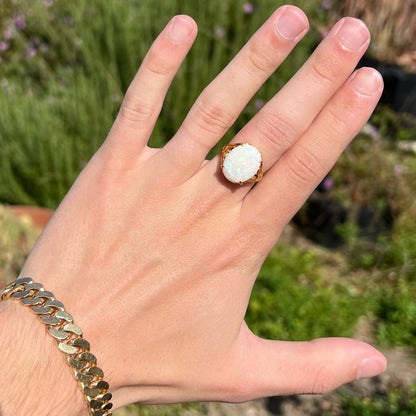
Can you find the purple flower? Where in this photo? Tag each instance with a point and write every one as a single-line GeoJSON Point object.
{"type": "Point", "coordinates": [4, 46]}
{"type": "Point", "coordinates": [20, 22]}
{"type": "Point", "coordinates": [48, 3]}
{"type": "Point", "coordinates": [398, 170]}
{"type": "Point", "coordinates": [248, 8]}
{"type": "Point", "coordinates": [258, 104]}
{"type": "Point", "coordinates": [35, 41]}
{"type": "Point", "coordinates": [326, 4]}
{"type": "Point", "coordinates": [8, 33]}
{"type": "Point", "coordinates": [69, 20]}
{"type": "Point", "coordinates": [31, 51]}
{"type": "Point", "coordinates": [328, 184]}
{"type": "Point", "coordinates": [219, 31]}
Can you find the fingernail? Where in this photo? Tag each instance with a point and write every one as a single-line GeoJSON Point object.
{"type": "Point", "coordinates": [180, 29]}
{"type": "Point", "coordinates": [352, 33]}
{"type": "Point", "coordinates": [291, 23]}
{"type": "Point", "coordinates": [367, 81]}
{"type": "Point", "coordinates": [371, 367]}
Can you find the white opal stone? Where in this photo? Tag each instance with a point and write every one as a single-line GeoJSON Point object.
{"type": "Point", "coordinates": [241, 163]}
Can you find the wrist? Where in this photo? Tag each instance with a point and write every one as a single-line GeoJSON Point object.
{"type": "Point", "coordinates": [34, 376]}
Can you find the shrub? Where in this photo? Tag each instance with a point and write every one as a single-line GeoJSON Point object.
{"type": "Point", "coordinates": [64, 74]}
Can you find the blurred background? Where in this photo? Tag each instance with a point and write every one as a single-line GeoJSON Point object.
{"type": "Point", "coordinates": [346, 264]}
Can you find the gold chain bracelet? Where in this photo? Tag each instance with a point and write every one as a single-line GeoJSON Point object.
{"type": "Point", "coordinates": [76, 349]}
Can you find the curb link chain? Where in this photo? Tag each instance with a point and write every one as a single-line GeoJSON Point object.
{"type": "Point", "coordinates": [76, 349]}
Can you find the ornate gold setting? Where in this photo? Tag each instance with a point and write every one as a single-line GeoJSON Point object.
{"type": "Point", "coordinates": [76, 349]}
{"type": "Point", "coordinates": [227, 149]}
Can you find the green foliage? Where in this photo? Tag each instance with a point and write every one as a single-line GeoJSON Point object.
{"type": "Point", "coordinates": [398, 402]}
{"type": "Point", "coordinates": [65, 72]}
{"type": "Point", "coordinates": [187, 409]}
{"type": "Point", "coordinates": [395, 309]}
{"type": "Point", "coordinates": [294, 299]}
{"type": "Point", "coordinates": [376, 174]}
{"type": "Point", "coordinates": [395, 126]}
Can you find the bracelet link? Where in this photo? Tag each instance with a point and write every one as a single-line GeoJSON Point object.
{"type": "Point", "coordinates": [76, 349]}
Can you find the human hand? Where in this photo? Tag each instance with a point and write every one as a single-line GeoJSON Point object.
{"type": "Point", "coordinates": [155, 254]}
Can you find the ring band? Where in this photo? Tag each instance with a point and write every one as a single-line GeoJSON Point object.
{"type": "Point", "coordinates": [241, 163]}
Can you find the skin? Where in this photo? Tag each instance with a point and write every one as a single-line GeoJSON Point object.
{"type": "Point", "coordinates": [155, 254]}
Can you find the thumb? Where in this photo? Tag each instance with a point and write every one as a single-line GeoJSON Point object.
{"type": "Point", "coordinates": [269, 368]}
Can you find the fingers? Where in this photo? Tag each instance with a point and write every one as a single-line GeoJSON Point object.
{"type": "Point", "coordinates": [144, 98]}
{"type": "Point", "coordinates": [222, 101]}
{"type": "Point", "coordinates": [293, 178]}
{"type": "Point", "coordinates": [270, 368]}
{"type": "Point", "coordinates": [286, 117]}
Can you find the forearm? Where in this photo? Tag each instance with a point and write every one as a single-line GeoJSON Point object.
{"type": "Point", "coordinates": [34, 378]}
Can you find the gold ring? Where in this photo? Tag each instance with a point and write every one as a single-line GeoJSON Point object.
{"type": "Point", "coordinates": [241, 163]}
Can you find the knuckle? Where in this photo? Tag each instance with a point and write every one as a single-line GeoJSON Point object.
{"type": "Point", "coordinates": [304, 167]}
{"type": "Point", "coordinates": [136, 111]}
{"type": "Point", "coordinates": [323, 382]}
{"type": "Point", "coordinates": [339, 121]}
{"type": "Point", "coordinates": [156, 65]}
{"type": "Point", "coordinates": [326, 65]}
{"type": "Point", "coordinates": [324, 71]}
{"type": "Point", "coordinates": [213, 118]}
{"type": "Point", "coordinates": [277, 131]}
{"type": "Point", "coordinates": [258, 60]}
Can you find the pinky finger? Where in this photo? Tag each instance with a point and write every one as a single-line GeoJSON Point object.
{"type": "Point", "coordinates": [144, 98]}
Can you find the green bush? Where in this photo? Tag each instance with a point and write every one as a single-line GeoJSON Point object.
{"type": "Point", "coordinates": [396, 312]}
{"type": "Point", "coordinates": [398, 402]}
{"type": "Point", "coordinates": [65, 72]}
{"type": "Point", "coordinates": [373, 172]}
{"type": "Point", "coordinates": [295, 299]}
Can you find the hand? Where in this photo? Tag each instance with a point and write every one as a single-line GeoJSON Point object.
{"type": "Point", "coordinates": [155, 254]}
